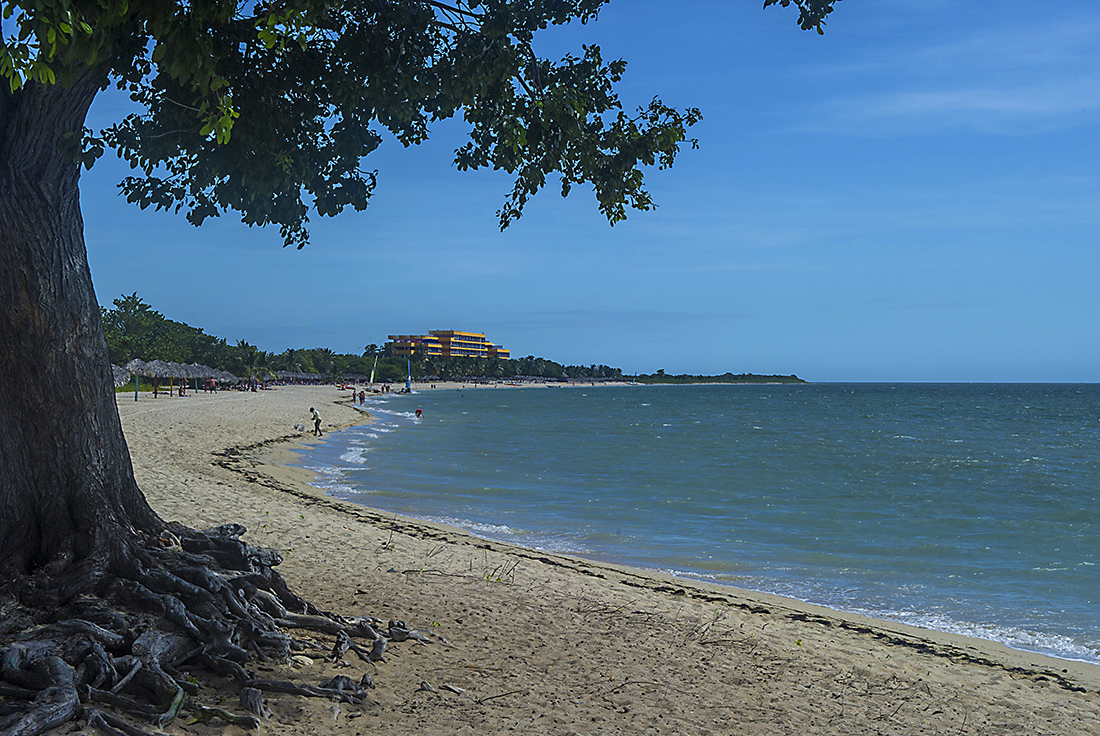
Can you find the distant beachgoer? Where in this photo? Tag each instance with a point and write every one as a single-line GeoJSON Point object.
{"type": "Point", "coordinates": [419, 413]}
{"type": "Point", "coordinates": [316, 421]}
{"type": "Point", "coordinates": [362, 397]}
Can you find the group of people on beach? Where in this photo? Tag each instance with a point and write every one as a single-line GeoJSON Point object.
{"type": "Point", "coordinates": [361, 397]}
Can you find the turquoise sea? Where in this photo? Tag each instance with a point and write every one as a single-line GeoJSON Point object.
{"type": "Point", "coordinates": [968, 508]}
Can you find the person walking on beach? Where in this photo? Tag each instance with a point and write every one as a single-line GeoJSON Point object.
{"type": "Point", "coordinates": [316, 421]}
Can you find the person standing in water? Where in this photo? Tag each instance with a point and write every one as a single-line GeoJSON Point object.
{"type": "Point", "coordinates": [316, 421]}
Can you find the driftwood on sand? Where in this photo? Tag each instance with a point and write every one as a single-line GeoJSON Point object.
{"type": "Point", "coordinates": [122, 655]}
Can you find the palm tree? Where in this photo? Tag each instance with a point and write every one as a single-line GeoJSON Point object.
{"type": "Point", "coordinates": [322, 359]}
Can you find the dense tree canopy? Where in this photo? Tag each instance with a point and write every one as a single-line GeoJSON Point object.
{"type": "Point", "coordinates": [268, 108]}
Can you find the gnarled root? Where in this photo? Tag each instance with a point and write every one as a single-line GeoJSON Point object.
{"type": "Point", "coordinates": [121, 640]}
{"type": "Point", "coordinates": [55, 703]}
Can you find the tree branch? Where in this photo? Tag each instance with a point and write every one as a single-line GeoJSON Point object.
{"type": "Point", "coordinates": [454, 9]}
{"type": "Point", "coordinates": [165, 135]}
{"type": "Point", "coordinates": [180, 104]}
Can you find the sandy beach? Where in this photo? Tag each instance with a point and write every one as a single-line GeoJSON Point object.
{"type": "Point", "coordinates": [529, 642]}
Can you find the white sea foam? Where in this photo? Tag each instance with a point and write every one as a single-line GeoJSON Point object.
{"type": "Point", "coordinates": [325, 470]}
{"type": "Point", "coordinates": [686, 574]}
{"type": "Point", "coordinates": [477, 529]}
{"type": "Point", "coordinates": [519, 537]}
{"type": "Point", "coordinates": [1054, 645]}
{"type": "Point", "coordinates": [338, 489]}
{"type": "Point", "coordinates": [392, 413]}
{"type": "Point", "coordinates": [356, 455]}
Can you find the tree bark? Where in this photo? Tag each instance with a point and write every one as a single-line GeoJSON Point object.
{"type": "Point", "coordinates": [67, 489]}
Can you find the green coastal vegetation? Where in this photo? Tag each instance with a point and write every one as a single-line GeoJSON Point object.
{"type": "Point", "coordinates": [133, 329]}
{"type": "Point", "coordinates": [661, 377]}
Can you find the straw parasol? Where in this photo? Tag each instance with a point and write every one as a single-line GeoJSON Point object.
{"type": "Point", "coordinates": [139, 367]}
{"type": "Point", "coordinates": [200, 371]}
{"type": "Point", "coordinates": [121, 376]}
{"type": "Point", "coordinates": [298, 376]}
{"type": "Point", "coordinates": [227, 377]}
{"type": "Point", "coordinates": [157, 369]}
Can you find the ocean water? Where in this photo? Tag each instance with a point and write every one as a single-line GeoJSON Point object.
{"type": "Point", "coordinates": [967, 508]}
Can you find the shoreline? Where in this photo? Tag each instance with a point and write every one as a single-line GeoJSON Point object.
{"type": "Point", "coordinates": [634, 635]}
{"type": "Point", "coordinates": [285, 464]}
{"type": "Point", "coordinates": [277, 463]}
{"type": "Point", "coordinates": [1033, 636]}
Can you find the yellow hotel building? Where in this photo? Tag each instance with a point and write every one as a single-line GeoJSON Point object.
{"type": "Point", "coordinates": [446, 344]}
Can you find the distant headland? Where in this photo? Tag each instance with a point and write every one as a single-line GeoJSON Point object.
{"type": "Point", "coordinates": [662, 377]}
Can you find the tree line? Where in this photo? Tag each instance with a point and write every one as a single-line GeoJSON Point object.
{"type": "Point", "coordinates": [133, 329]}
{"type": "Point", "coordinates": [661, 377]}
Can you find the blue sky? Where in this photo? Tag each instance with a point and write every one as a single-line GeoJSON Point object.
{"type": "Point", "coordinates": [911, 197]}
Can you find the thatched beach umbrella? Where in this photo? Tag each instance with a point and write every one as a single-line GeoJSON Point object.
{"type": "Point", "coordinates": [121, 376]}
{"type": "Point", "coordinates": [182, 372]}
{"type": "Point", "coordinates": [200, 372]}
{"type": "Point", "coordinates": [298, 376]}
{"type": "Point", "coordinates": [354, 378]}
{"type": "Point", "coordinates": [227, 377]}
{"type": "Point", "coordinates": [157, 369]}
{"type": "Point", "coordinates": [139, 367]}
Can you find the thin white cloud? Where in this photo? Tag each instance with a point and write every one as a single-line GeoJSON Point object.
{"type": "Point", "coordinates": [1019, 78]}
{"type": "Point", "coordinates": [1073, 97]}
{"type": "Point", "coordinates": [1019, 109]}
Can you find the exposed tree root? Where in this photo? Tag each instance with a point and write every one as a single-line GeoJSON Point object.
{"type": "Point", "coordinates": [97, 644]}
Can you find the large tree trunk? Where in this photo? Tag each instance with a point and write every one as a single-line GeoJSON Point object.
{"type": "Point", "coordinates": [72, 520]}
{"type": "Point", "coordinates": [67, 489]}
